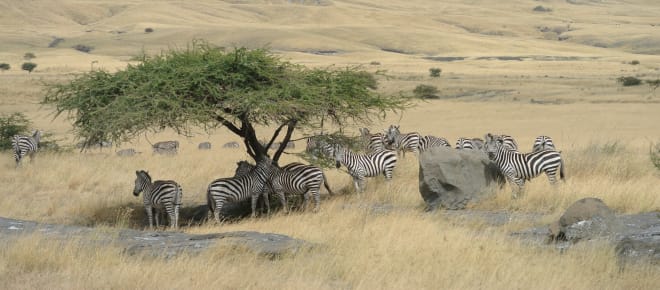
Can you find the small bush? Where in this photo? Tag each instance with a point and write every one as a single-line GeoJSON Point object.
{"type": "Point", "coordinates": [28, 66]}
{"type": "Point", "coordinates": [426, 92]}
{"type": "Point", "coordinates": [55, 42]}
{"type": "Point", "coordinates": [375, 63]}
{"type": "Point", "coordinates": [83, 48]}
{"type": "Point", "coordinates": [541, 9]}
{"type": "Point", "coordinates": [435, 72]}
{"type": "Point", "coordinates": [148, 30]}
{"type": "Point", "coordinates": [654, 84]}
{"type": "Point", "coordinates": [11, 125]}
{"type": "Point", "coordinates": [29, 56]}
{"type": "Point", "coordinates": [654, 153]}
{"type": "Point", "coordinates": [634, 62]}
{"type": "Point", "coordinates": [629, 81]}
{"type": "Point", "coordinates": [4, 66]}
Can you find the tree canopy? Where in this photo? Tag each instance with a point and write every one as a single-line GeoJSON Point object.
{"type": "Point", "coordinates": [203, 86]}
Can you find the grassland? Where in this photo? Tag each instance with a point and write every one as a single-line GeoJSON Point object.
{"type": "Point", "coordinates": [603, 130]}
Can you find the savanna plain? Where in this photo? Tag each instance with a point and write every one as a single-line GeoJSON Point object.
{"type": "Point", "coordinates": [506, 68]}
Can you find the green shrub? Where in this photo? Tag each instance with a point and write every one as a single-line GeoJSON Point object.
{"type": "Point", "coordinates": [4, 66]}
{"type": "Point", "coordinates": [425, 92]}
{"type": "Point", "coordinates": [148, 30]}
{"type": "Point", "coordinates": [629, 81]}
{"type": "Point", "coordinates": [29, 56]}
{"type": "Point", "coordinates": [634, 62]}
{"type": "Point", "coordinates": [11, 125]}
{"type": "Point", "coordinates": [435, 72]}
{"type": "Point", "coordinates": [83, 48]}
{"type": "Point", "coordinates": [28, 66]}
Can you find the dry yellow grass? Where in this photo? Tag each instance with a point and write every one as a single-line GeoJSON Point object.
{"type": "Point", "coordinates": [602, 129]}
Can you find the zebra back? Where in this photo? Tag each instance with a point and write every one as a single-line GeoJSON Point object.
{"type": "Point", "coordinates": [429, 141]}
{"type": "Point", "coordinates": [366, 165]}
{"type": "Point", "coordinates": [543, 143]}
{"type": "Point", "coordinates": [464, 143]}
{"type": "Point", "coordinates": [25, 145]}
{"type": "Point", "coordinates": [166, 147]}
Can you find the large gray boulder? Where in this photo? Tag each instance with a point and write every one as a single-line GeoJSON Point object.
{"type": "Point", "coordinates": [451, 178]}
{"type": "Point", "coordinates": [585, 219]}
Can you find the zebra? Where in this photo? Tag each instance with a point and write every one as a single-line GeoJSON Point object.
{"type": "Point", "coordinates": [293, 178]}
{"type": "Point", "coordinates": [427, 142]}
{"type": "Point", "coordinates": [232, 144]}
{"type": "Point", "coordinates": [519, 167]}
{"type": "Point", "coordinates": [543, 143]}
{"type": "Point", "coordinates": [365, 165]}
{"type": "Point", "coordinates": [508, 141]}
{"type": "Point", "coordinates": [126, 152]}
{"type": "Point", "coordinates": [402, 142]}
{"type": "Point", "coordinates": [159, 195]}
{"type": "Point", "coordinates": [465, 143]}
{"type": "Point", "coordinates": [478, 143]}
{"type": "Point", "coordinates": [318, 147]}
{"type": "Point", "coordinates": [25, 145]}
{"type": "Point", "coordinates": [302, 179]}
{"type": "Point", "coordinates": [375, 142]}
{"type": "Point", "coordinates": [166, 147]}
{"type": "Point", "coordinates": [240, 188]}
{"type": "Point", "coordinates": [204, 146]}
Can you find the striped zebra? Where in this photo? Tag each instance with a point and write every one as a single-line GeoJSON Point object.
{"type": "Point", "coordinates": [402, 142]}
{"type": "Point", "coordinates": [427, 142]}
{"type": "Point", "coordinates": [166, 147]}
{"type": "Point", "coordinates": [317, 147]}
{"type": "Point", "coordinates": [519, 167]}
{"type": "Point", "coordinates": [509, 142]}
{"type": "Point", "coordinates": [543, 143]}
{"type": "Point", "coordinates": [365, 165]}
{"type": "Point", "coordinates": [375, 142]}
{"type": "Point", "coordinates": [159, 195]}
{"type": "Point", "coordinates": [293, 178]}
{"type": "Point", "coordinates": [240, 188]}
{"type": "Point", "coordinates": [464, 143]}
{"type": "Point", "coordinates": [25, 145]}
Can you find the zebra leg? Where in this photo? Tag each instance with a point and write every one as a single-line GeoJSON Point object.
{"type": "Point", "coordinates": [255, 197]}
{"type": "Point", "coordinates": [150, 216]}
{"type": "Point", "coordinates": [280, 194]}
{"type": "Point", "coordinates": [157, 214]}
{"type": "Point", "coordinates": [317, 198]}
{"type": "Point", "coordinates": [266, 201]}
{"type": "Point", "coordinates": [305, 200]}
{"type": "Point", "coordinates": [520, 183]}
{"type": "Point", "coordinates": [216, 213]}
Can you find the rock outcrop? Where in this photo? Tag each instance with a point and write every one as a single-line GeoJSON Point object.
{"type": "Point", "coordinates": [451, 178]}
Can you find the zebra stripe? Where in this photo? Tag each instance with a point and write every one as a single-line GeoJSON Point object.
{"type": "Point", "coordinates": [240, 188]}
{"type": "Point", "coordinates": [519, 167]}
{"type": "Point", "coordinates": [508, 141]}
{"type": "Point", "coordinates": [403, 142]}
{"type": "Point", "coordinates": [543, 143]}
{"type": "Point", "coordinates": [464, 143]}
{"type": "Point", "coordinates": [429, 141]}
{"type": "Point", "coordinates": [375, 142]}
{"type": "Point", "coordinates": [25, 145]}
{"type": "Point", "coordinates": [159, 195]}
{"type": "Point", "coordinates": [166, 147]}
{"type": "Point", "coordinates": [317, 147]}
{"type": "Point", "coordinates": [365, 165]}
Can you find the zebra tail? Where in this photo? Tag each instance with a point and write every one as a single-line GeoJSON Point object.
{"type": "Point", "coordinates": [210, 203]}
{"type": "Point", "coordinates": [561, 170]}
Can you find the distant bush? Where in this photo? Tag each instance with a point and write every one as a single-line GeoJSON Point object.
{"type": "Point", "coordinates": [654, 153]}
{"type": "Point", "coordinates": [426, 92]}
{"type": "Point", "coordinates": [83, 48]}
{"type": "Point", "coordinates": [29, 56]}
{"type": "Point", "coordinates": [4, 66]}
{"type": "Point", "coordinates": [654, 84]}
{"type": "Point", "coordinates": [28, 66]}
{"type": "Point", "coordinates": [11, 125]}
{"type": "Point", "coordinates": [148, 30]}
{"type": "Point", "coordinates": [541, 9]}
{"type": "Point", "coordinates": [629, 81]}
{"type": "Point", "coordinates": [55, 42]}
{"type": "Point", "coordinates": [634, 62]}
{"type": "Point", "coordinates": [375, 63]}
{"type": "Point", "coordinates": [435, 72]}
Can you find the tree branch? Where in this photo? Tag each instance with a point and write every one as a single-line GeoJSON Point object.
{"type": "Point", "coordinates": [275, 134]}
{"type": "Point", "coordinates": [291, 126]}
{"type": "Point", "coordinates": [230, 126]}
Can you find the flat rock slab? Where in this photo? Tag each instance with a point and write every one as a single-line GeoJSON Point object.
{"type": "Point", "coordinates": [157, 244]}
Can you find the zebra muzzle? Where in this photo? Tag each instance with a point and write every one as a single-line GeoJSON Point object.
{"type": "Point", "coordinates": [338, 164]}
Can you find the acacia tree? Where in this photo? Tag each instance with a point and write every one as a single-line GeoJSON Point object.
{"type": "Point", "coordinates": [203, 86]}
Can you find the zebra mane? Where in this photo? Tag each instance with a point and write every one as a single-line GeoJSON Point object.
{"type": "Point", "coordinates": [145, 173]}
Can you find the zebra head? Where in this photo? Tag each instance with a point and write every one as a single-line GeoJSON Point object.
{"type": "Point", "coordinates": [391, 133]}
{"type": "Point", "coordinates": [141, 181]}
{"type": "Point", "coordinates": [36, 136]}
{"type": "Point", "coordinates": [242, 168]}
{"type": "Point", "coordinates": [492, 144]}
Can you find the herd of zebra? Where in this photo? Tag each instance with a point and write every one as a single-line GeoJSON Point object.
{"type": "Point", "coordinates": [380, 158]}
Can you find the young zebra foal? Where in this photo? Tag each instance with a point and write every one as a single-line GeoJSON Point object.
{"type": "Point", "coordinates": [25, 145]}
{"type": "Point", "coordinates": [159, 195]}
{"type": "Point", "coordinates": [519, 167]}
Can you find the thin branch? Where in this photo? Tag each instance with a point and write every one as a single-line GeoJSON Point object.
{"type": "Point", "coordinates": [229, 126]}
{"type": "Point", "coordinates": [275, 134]}
{"type": "Point", "coordinates": [291, 126]}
